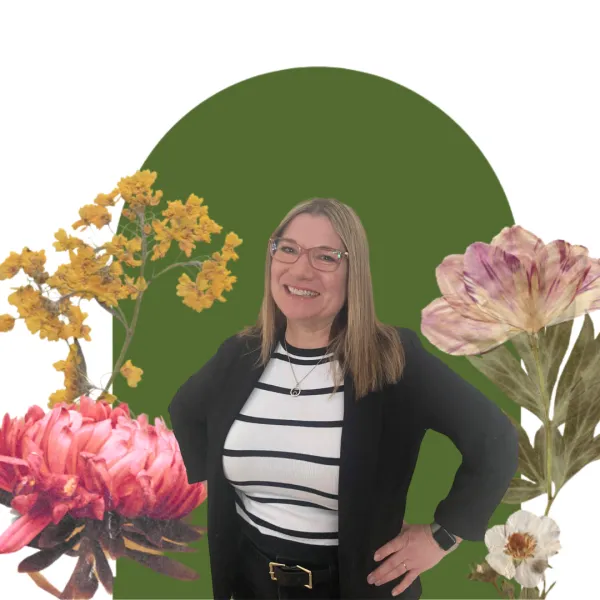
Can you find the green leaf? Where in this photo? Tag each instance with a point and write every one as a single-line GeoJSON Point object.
{"type": "Point", "coordinates": [559, 459]}
{"type": "Point", "coordinates": [531, 463]}
{"type": "Point", "coordinates": [507, 587]}
{"type": "Point", "coordinates": [530, 593]}
{"type": "Point", "coordinates": [504, 370]}
{"type": "Point", "coordinates": [578, 405]}
{"type": "Point", "coordinates": [582, 356]}
{"type": "Point", "coordinates": [521, 490]}
{"type": "Point", "coordinates": [553, 343]}
{"type": "Point", "coordinates": [585, 454]}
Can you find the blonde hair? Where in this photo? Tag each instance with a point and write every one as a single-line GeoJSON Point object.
{"type": "Point", "coordinates": [370, 350]}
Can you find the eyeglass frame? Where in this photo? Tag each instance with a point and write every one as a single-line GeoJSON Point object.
{"type": "Point", "coordinates": [342, 253]}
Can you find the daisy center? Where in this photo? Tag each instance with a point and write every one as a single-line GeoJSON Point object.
{"type": "Point", "coordinates": [520, 546]}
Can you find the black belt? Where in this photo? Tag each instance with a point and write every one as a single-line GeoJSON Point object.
{"type": "Point", "coordinates": [289, 575]}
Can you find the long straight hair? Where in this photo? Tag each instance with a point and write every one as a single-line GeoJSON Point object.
{"type": "Point", "coordinates": [369, 350]}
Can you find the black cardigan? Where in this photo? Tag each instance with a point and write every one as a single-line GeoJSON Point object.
{"type": "Point", "coordinates": [380, 443]}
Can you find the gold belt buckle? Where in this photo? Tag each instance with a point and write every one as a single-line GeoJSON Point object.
{"type": "Point", "coordinates": [276, 564]}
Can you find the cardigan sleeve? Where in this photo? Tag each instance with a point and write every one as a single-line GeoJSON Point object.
{"type": "Point", "coordinates": [188, 415]}
{"type": "Point", "coordinates": [481, 432]}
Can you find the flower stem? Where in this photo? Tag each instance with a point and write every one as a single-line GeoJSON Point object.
{"type": "Point", "coordinates": [136, 309]}
{"type": "Point", "coordinates": [547, 421]}
{"type": "Point", "coordinates": [190, 263]}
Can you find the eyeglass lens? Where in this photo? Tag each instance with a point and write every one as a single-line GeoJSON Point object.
{"type": "Point", "coordinates": [321, 258]}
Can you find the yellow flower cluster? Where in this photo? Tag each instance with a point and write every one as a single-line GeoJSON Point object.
{"type": "Point", "coordinates": [32, 264]}
{"type": "Point", "coordinates": [131, 373]}
{"type": "Point", "coordinates": [89, 276]}
{"type": "Point", "coordinates": [75, 379]}
{"type": "Point", "coordinates": [124, 249]}
{"type": "Point", "coordinates": [137, 190]}
{"type": "Point", "coordinates": [185, 224]}
{"type": "Point", "coordinates": [97, 273]}
{"type": "Point", "coordinates": [43, 315]}
{"type": "Point", "coordinates": [212, 280]}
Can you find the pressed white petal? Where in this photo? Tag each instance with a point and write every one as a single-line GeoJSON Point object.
{"type": "Point", "coordinates": [550, 548]}
{"type": "Point", "coordinates": [526, 576]}
{"type": "Point", "coordinates": [495, 538]}
{"type": "Point", "coordinates": [548, 532]}
{"type": "Point", "coordinates": [522, 521]}
{"type": "Point", "coordinates": [501, 563]}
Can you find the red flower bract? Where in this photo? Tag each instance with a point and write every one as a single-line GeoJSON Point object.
{"type": "Point", "coordinates": [87, 459]}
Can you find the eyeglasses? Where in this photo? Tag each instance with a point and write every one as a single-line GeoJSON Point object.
{"type": "Point", "coordinates": [320, 257]}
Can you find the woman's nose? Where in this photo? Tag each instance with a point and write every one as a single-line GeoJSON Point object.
{"type": "Point", "coordinates": [302, 265]}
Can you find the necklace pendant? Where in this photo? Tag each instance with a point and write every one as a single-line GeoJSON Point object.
{"type": "Point", "coordinates": [295, 391]}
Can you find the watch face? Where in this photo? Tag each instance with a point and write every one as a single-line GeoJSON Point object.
{"type": "Point", "coordinates": [445, 539]}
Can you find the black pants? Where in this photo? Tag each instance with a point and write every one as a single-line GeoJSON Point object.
{"type": "Point", "coordinates": [253, 580]}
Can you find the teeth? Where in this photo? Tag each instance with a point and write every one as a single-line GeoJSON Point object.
{"type": "Point", "coordinates": [299, 292]}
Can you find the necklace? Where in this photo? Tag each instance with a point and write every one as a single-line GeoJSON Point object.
{"type": "Point", "coordinates": [295, 391]}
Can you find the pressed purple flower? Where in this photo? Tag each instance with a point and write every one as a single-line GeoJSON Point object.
{"type": "Point", "coordinates": [514, 284]}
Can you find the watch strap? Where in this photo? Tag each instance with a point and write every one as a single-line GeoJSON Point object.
{"type": "Point", "coordinates": [444, 539]}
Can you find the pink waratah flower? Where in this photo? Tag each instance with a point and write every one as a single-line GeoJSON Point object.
{"type": "Point", "coordinates": [90, 464]}
{"type": "Point", "coordinates": [515, 284]}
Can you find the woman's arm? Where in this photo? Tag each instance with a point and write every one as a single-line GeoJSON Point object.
{"type": "Point", "coordinates": [188, 413]}
{"type": "Point", "coordinates": [481, 432]}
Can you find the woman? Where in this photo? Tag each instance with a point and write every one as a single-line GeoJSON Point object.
{"type": "Point", "coordinates": [307, 428]}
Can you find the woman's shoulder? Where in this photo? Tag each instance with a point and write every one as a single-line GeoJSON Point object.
{"type": "Point", "coordinates": [239, 343]}
{"type": "Point", "coordinates": [407, 335]}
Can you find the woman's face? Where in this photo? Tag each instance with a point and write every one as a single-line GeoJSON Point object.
{"type": "Point", "coordinates": [309, 231]}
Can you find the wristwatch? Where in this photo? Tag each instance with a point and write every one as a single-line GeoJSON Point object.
{"type": "Point", "coordinates": [443, 537]}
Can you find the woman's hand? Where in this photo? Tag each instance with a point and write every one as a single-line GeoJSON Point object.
{"type": "Point", "coordinates": [415, 547]}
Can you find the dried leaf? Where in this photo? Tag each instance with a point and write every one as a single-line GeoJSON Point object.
{"type": "Point", "coordinates": [583, 353]}
{"type": "Point", "coordinates": [529, 593]}
{"type": "Point", "coordinates": [156, 530]}
{"type": "Point", "coordinates": [56, 534]}
{"type": "Point", "coordinates": [504, 370]}
{"type": "Point", "coordinates": [163, 564]}
{"type": "Point", "coordinates": [43, 583]}
{"type": "Point", "coordinates": [521, 490]}
{"type": "Point", "coordinates": [508, 588]}
{"type": "Point", "coordinates": [142, 540]}
{"type": "Point", "coordinates": [531, 464]}
{"type": "Point", "coordinates": [586, 453]}
{"type": "Point", "coordinates": [558, 458]}
{"type": "Point", "coordinates": [83, 583]}
{"type": "Point", "coordinates": [103, 570]}
{"type": "Point", "coordinates": [552, 343]}
{"type": "Point", "coordinates": [44, 558]}
{"type": "Point", "coordinates": [578, 405]}
{"type": "Point", "coordinates": [482, 572]}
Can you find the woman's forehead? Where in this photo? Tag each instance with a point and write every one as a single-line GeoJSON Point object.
{"type": "Point", "coordinates": [312, 230]}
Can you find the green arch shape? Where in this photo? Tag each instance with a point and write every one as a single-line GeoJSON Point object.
{"type": "Point", "coordinates": [422, 189]}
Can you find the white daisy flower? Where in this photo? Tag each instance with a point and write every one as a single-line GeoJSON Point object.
{"type": "Point", "coordinates": [520, 548]}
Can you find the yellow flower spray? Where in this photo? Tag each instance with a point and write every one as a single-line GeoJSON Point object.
{"type": "Point", "coordinates": [96, 273]}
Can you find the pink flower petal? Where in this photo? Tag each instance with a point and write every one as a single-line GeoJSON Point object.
{"type": "Point", "coordinates": [451, 332]}
{"type": "Point", "coordinates": [500, 285]}
{"type": "Point", "coordinates": [22, 531]}
{"type": "Point", "coordinates": [563, 269]}
{"type": "Point", "coordinates": [519, 242]}
{"type": "Point", "coordinates": [588, 295]}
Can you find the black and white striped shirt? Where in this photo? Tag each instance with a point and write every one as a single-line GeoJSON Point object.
{"type": "Point", "coordinates": [282, 453]}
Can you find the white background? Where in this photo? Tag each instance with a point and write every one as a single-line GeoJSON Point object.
{"type": "Point", "coordinates": [88, 92]}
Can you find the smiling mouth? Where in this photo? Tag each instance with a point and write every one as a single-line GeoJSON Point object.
{"type": "Point", "coordinates": [300, 292]}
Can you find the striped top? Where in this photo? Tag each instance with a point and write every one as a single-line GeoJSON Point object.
{"type": "Point", "coordinates": [282, 453]}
